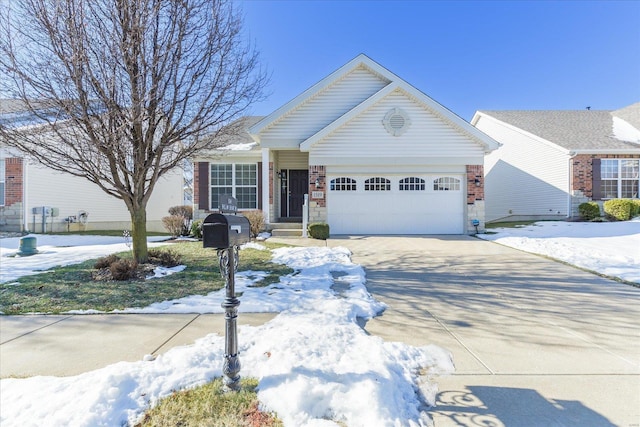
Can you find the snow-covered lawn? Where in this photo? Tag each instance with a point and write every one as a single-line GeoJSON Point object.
{"type": "Point", "coordinates": [313, 361]}
{"type": "Point", "coordinates": [610, 248]}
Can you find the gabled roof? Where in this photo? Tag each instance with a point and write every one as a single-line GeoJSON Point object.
{"type": "Point", "coordinates": [573, 130]}
{"type": "Point", "coordinates": [395, 83]}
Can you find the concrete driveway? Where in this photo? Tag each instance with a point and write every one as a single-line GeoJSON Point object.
{"type": "Point", "coordinates": [535, 342]}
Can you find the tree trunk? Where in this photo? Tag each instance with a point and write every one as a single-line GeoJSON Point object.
{"type": "Point", "coordinates": [139, 233]}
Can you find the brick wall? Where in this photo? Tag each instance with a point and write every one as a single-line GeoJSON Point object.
{"type": "Point", "coordinates": [13, 187]}
{"type": "Point", "coordinates": [475, 192]}
{"type": "Point", "coordinates": [318, 173]}
{"type": "Point", "coordinates": [582, 171]}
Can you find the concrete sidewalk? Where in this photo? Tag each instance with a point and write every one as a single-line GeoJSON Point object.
{"type": "Point", "coordinates": [535, 342]}
{"type": "Point", "coordinates": [73, 344]}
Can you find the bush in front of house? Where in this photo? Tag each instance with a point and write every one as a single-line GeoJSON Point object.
{"type": "Point", "coordinates": [589, 210]}
{"type": "Point", "coordinates": [619, 209]}
{"type": "Point", "coordinates": [174, 224]}
{"type": "Point", "coordinates": [186, 213]}
{"type": "Point", "coordinates": [196, 229]}
{"type": "Point", "coordinates": [256, 221]}
{"type": "Point", "coordinates": [319, 230]}
{"type": "Point", "coordinates": [635, 208]}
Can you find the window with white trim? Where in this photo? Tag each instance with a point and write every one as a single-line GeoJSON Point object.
{"type": "Point", "coordinates": [343, 184]}
{"type": "Point", "coordinates": [239, 180]}
{"type": "Point", "coordinates": [446, 183]}
{"type": "Point", "coordinates": [412, 183]}
{"type": "Point", "coordinates": [377, 183]}
{"type": "Point", "coordinates": [2, 182]}
{"type": "Point", "coordinates": [619, 178]}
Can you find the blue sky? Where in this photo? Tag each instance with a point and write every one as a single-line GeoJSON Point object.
{"type": "Point", "coordinates": [466, 55]}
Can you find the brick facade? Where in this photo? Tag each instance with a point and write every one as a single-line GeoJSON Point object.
{"type": "Point", "coordinates": [318, 173]}
{"type": "Point", "coordinates": [475, 175]}
{"type": "Point", "coordinates": [582, 171]}
{"type": "Point", "coordinates": [11, 212]}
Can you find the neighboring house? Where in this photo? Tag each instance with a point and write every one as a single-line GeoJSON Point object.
{"type": "Point", "coordinates": [552, 161]}
{"type": "Point", "coordinates": [374, 154]}
{"type": "Point", "coordinates": [27, 186]}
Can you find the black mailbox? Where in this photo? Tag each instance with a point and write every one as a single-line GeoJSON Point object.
{"type": "Point", "coordinates": [223, 231]}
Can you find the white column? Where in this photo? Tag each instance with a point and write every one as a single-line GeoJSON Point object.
{"type": "Point", "coordinates": [266, 185]}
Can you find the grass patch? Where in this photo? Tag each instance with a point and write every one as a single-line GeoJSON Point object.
{"type": "Point", "coordinates": [208, 405]}
{"type": "Point", "coordinates": [73, 288]}
{"type": "Point", "coordinates": [509, 224]}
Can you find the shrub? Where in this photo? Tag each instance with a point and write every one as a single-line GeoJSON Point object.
{"type": "Point", "coordinates": [196, 229]}
{"type": "Point", "coordinates": [619, 209]}
{"type": "Point", "coordinates": [174, 224]}
{"type": "Point", "coordinates": [123, 269]}
{"type": "Point", "coordinates": [589, 210]}
{"type": "Point", "coordinates": [186, 213]}
{"type": "Point", "coordinates": [105, 262]}
{"type": "Point", "coordinates": [319, 230]}
{"type": "Point", "coordinates": [166, 258]}
{"type": "Point", "coordinates": [256, 221]}
{"type": "Point", "coordinates": [635, 208]}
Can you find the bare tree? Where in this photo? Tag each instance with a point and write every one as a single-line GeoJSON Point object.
{"type": "Point", "coordinates": [129, 88]}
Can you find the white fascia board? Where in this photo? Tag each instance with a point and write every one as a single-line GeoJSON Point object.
{"type": "Point", "coordinates": [480, 114]}
{"type": "Point", "coordinates": [361, 59]}
{"type": "Point", "coordinates": [349, 115]}
{"type": "Point", "coordinates": [635, 151]}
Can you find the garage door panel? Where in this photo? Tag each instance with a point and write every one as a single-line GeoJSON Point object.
{"type": "Point", "coordinates": [396, 212]}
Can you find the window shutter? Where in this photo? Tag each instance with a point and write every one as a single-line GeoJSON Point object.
{"type": "Point", "coordinates": [259, 185]}
{"type": "Point", "coordinates": [596, 186]}
{"type": "Point", "coordinates": [203, 186]}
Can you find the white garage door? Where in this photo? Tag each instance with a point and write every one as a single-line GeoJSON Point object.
{"type": "Point", "coordinates": [428, 204]}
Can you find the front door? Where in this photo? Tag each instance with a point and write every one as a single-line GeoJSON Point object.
{"type": "Point", "coordinates": [295, 184]}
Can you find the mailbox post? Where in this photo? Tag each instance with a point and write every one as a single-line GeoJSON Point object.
{"type": "Point", "coordinates": [226, 232]}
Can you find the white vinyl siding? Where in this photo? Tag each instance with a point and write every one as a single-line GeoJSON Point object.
{"type": "Point", "coordinates": [321, 110]}
{"type": "Point", "coordinates": [428, 140]}
{"type": "Point", "coordinates": [72, 194]}
{"type": "Point", "coordinates": [515, 185]}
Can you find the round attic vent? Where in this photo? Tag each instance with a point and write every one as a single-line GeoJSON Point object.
{"type": "Point", "coordinates": [396, 121]}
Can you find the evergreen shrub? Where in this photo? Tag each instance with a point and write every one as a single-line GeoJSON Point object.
{"type": "Point", "coordinates": [319, 230]}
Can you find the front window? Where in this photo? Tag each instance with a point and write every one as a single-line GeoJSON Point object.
{"type": "Point", "coordinates": [2, 181]}
{"type": "Point", "coordinates": [620, 178]}
{"type": "Point", "coordinates": [238, 180]}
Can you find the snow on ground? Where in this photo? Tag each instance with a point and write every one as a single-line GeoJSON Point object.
{"type": "Point", "coordinates": [58, 250]}
{"type": "Point", "coordinates": [314, 353]}
{"type": "Point", "coordinates": [610, 248]}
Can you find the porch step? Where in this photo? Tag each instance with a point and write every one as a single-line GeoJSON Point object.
{"type": "Point", "coordinates": [285, 229]}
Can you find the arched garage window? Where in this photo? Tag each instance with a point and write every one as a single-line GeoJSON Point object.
{"type": "Point", "coordinates": [377, 184]}
{"type": "Point", "coordinates": [446, 183]}
{"type": "Point", "coordinates": [343, 184]}
{"type": "Point", "coordinates": [412, 184]}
